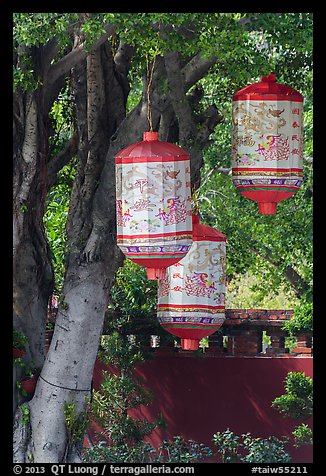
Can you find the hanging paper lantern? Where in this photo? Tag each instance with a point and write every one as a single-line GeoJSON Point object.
{"type": "Point", "coordinates": [154, 225]}
{"type": "Point", "coordinates": [267, 142]}
{"type": "Point", "coordinates": [191, 297]}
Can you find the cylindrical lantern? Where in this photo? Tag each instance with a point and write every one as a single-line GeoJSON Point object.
{"type": "Point", "coordinates": [191, 297]}
{"type": "Point", "coordinates": [154, 224]}
{"type": "Point", "coordinates": [267, 142]}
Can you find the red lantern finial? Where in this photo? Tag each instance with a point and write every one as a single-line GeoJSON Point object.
{"type": "Point", "coordinates": [149, 136]}
{"type": "Point", "coordinates": [271, 78]}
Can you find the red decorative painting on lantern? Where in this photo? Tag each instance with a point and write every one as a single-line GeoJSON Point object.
{"type": "Point", "coordinates": [153, 203]}
{"type": "Point", "coordinates": [267, 142]}
{"type": "Point", "coordinates": [191, 297]}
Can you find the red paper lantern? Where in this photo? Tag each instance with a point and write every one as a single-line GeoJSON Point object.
{"type": "Point", "coordinates": [191, 297]}
{"type": "Point", "coordinates": [154, 225]}
{"type": "Point", "coordinates": [267, 142]}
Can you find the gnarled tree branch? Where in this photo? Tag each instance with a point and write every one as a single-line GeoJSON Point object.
{"type": "Point", "coordinates": [77, 54]}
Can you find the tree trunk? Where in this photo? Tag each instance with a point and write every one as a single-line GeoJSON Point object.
{"type": "Point", "coordinates": [33, 275]}
{"type": "Point", "coordinates": [67, 373]}
{"type": "Point", "coordinates": [92, 260]}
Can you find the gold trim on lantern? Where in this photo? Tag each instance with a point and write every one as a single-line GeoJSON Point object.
{"type": "Point", "coordinates": [190, 309]}
{"type": "Point", "coordinates": [272, 172]}
{"type": "Point", "coordinates": [165, 238]}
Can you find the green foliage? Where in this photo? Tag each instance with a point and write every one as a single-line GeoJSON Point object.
{"type": "Point", "coordinates": [32, 30]}
{"type": "Point", "coordinates": [269, 450]}
{"type": "Point", "coordinates": [228, 445]}
{"type": "Point", "coordinates": [121, 391]}
{"type": "Point", "coordinates": [76, 422]}
{"type": "Point", "coordinates": [177, 450]}
{"type": "Point", "coordinates": [297, 402]}
{"type": "Point", "coordinates": [302, 435]}
{"type": "Point", "coordinates": [120, 352]}
{"type": "Point", "coordinates": [23, 74]}
{"type": "Point", "coordinates": [61, 116]}
{"type": "Point", "coordinates": [25, 411]}
{"type": "Point", "coordinates": [101, 452]}
{"type": "Point", "coordinates": [28, 367]}
{"type": "Point", "coordinates": [302, 320]}
{"type": "Point", "coordinates": [267, 246]}
{"type": "Point", "coordinates": [249, 291]}
{"type": "Point", "coordinates": [257, 450]}
{"type": "Point", "coordinates": [29, 370]}
{"type": "Point", "coordinates": [19, 339]}
{"type": "Point", "coordinates": [55, 217]}
{"type": "Point", "coordinates": [57, 202]}
{"type": "Point", "coordinates": [132, 294]}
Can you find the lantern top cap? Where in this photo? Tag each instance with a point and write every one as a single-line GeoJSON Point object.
{"type": "Point", "coordinates": [148, 136]}
{"type": "Point", "coordinates": [268, 89]}
{"type": "Point", "coordinates": [203, 232]}
{"type": "Point", "coordinates": [151, 147]}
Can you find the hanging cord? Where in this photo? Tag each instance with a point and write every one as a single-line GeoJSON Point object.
{"type": "Point", "coordinates": [149, 81]}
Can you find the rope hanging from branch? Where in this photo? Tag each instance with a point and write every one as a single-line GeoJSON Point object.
{"type": "Point", "coordinates": [149, 81]}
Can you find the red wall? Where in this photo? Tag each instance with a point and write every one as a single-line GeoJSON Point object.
{"type": "Point", "coordinates": [200, 396]}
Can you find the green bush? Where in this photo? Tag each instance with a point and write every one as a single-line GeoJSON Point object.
{"type": "Point", "coordinates": [19, 339]}
{"type": "Point", "coordinates": [120, 392]}
{"type": "Point", "coordinates": [302, 435]}
{"type": "Point", "coordinates": [302, 320]}
{"type": "Point", "coordinates": [228, 445]}
{"type": "Point", "coordinates": [269, 450]}
{"type": "Point", "coordinates": [245, 449]}
{"type": "Point", "coordinates": [297, 402]}
{"type": "Point", "coordinates": [104, 453]}
{"type": "Point", "coordinates": [177, 450]}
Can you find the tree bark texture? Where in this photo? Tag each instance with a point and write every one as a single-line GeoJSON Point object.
{"type": "Point", "coordinates": [33, 276]}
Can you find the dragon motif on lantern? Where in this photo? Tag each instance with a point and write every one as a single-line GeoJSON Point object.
{"type": "Point", "coordinates": [199, 284]}
{"type": "Point", "coordinates": [275, 147]}
{"type": "Point", "coordinates": [173, 210]}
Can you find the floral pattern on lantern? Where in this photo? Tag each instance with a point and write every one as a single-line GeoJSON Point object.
{"type": "Point", "coordinates": [267, 142]}
{"type": "Point", "coordinates": [153, 203]}
{"type": "Point", "coordinates": [191, 297]}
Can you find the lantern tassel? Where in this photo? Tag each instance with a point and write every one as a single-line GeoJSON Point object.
{"type": "Point", "coordinates": [155, 273]}
{"type": "Point", "coordinates": [189, 344]}
{"type": "Point", "coordinates": [267, 208]}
